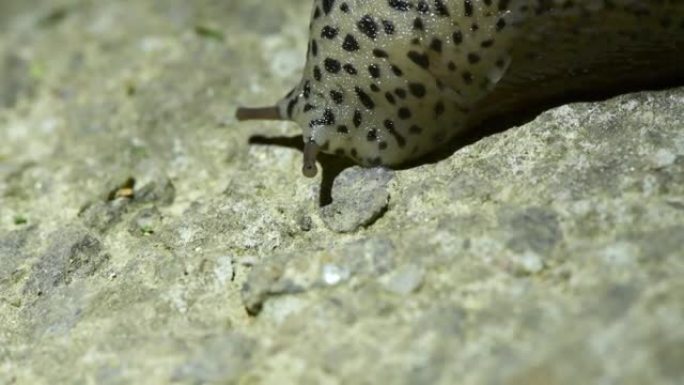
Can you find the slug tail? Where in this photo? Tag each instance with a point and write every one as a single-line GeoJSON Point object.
{"type": "Point", "coordinates": [581, 50]}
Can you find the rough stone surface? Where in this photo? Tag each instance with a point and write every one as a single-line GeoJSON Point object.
{"type": "Point", "coordinates": [550, 253]}
{"type": "Point", "coordinates": [360, 196]}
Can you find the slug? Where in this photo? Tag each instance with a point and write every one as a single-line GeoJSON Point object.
{"type": "Point", "coordinates": [388, 81]}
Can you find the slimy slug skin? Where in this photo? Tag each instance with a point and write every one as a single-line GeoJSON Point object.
{"type": "Point", "coordinates": [388, 81]}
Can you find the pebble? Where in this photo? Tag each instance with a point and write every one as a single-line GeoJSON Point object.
{"type": "Point", "coordinates": [404, 280]}
{"type": "Point", "coordinates": [360, 196]}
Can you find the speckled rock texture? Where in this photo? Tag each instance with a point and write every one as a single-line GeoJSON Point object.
{"type": "Point", "coordinates": [359, 197]}
{"type": "Point", "coordinates": [145, 240]}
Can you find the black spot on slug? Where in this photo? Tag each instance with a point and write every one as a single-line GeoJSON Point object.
{"type": "Point", "coordinates": [396, 70]}
{"type": "Point", "coordinates": [417, 89]}
{"type": "Point", "coordinates": [377, 52]}
{"type": "Point", "coordinates": [389, 126]}
{"type": "Point", "coordinates": [423, 7]}
{"type": "Point", "coordinates": [350, 44]}
{"type": "Point", "coordinates": [468, 8]}
{"type": "Point", "coordinates": [313, 48]}
{"type": "Point", "coordinates": [368, 26]}
{"type": "Point", "coordinates": [441, 8]}
{"type": "Point", "coordinates": [337, 96]}
{"type": "Point", "coordinates": [457, 37]}
{"type": "Point", "coordinates": [399, 5]}
{"type": "Point", "coordinates": [364, 98]}
{"type": "Point", "coordinates": [331, 65]}
{"type": "Point", "coordinates": [327, 5]}
{"type": "Point", "coordinates": [306, 89]}
{"type": "Point", "coordinates": [374, 70]}
{"type": "Point", "coordinates": [375, 161]}
{"type": "Point", "coordinates": [390, 98]}
{"type": "Point", "coordinates": [327, 119]}
{"type": "Point", "coordinates": [357, 118]}
{"type": "Point", "coordinates": [350, 69]}
{"type": "Point", "coordinates": [388, 27]}
{"type": "Point", "coordinates": [329, 32]}
{"type": "Point", "coordinates": [436, 45]}
{"type": "Point", "coordinates": [419, 58]}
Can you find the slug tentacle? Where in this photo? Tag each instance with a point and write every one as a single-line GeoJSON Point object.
{"type": "Point", "coordinates": [311, 149]}
{"type": "Point", "coordinates": [258, 113]}
{"type": "Point", "coordinates": [387, 81]}
{"type": "Point", "coordinates": [309, 168]}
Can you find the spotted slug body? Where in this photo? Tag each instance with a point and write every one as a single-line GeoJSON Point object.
{"type": "Point", "coordinates": [387, 81]}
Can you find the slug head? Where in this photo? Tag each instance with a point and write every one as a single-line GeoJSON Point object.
{"type": "Point", "coordinates": [370, 88]}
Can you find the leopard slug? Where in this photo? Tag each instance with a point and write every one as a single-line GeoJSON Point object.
{"type": "Point", "coordinates": [387, 81]}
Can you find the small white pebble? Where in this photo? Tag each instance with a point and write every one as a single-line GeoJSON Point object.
{"type": "Point", "coordinates": [405, 280]}
{"type": "Point", "coordinates": [528, 263]}
{"type": "Point", "coordinates": [333, 274]}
